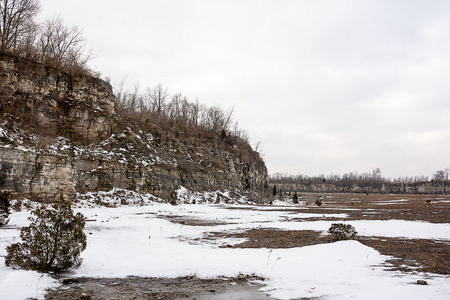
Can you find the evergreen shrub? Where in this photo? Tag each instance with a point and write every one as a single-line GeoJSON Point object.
{"type": "Point", "coordinates": [52, 242]}
{"type": "Point", "coordinates": [4, 208]}
{"type": "Point", "coordinates": [342, 231]}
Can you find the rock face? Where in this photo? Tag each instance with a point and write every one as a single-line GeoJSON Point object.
{"type": "Point", "coordinates": [430, 188]}
{"type": "Point", "coordinates": [78, 106]}
{"type": "Point", "coordinates": [37, 176]}
{"type": "Point", "coordinates": [77, 143]}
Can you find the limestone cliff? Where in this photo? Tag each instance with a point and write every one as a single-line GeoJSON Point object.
{"type": "Point", "coordinates": [76, 106]}
{"type": "Point", "coordinates": [60, 134]}
{"type": "Point", "coordinates": [429, 188]}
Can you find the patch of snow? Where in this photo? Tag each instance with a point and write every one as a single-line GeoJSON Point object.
{"type": "Point", "coordinates": [136, 240]}
{"type": "Point", "coordinates": [391, 202]}
{"type": "Point", "coordinates": [114, 198]}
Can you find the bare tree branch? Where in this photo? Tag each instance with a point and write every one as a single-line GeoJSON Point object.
{"type": "Point", "coordinates": [15, 19]}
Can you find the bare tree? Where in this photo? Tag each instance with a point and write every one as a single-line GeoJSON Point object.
{"type": "Point", "coordinates": [158, 96]}
{"type": "Point", "coordinates": [228, 119]}
{"type": "Point", "coordinates": [195, 113]}
{"type": "Point", "coordinates": [26, 45]}
{"type": "Point", "coordinates": [215, 119]}
{"type": "Point", "coordinates": [185, 111]}
{"type": "Point", "coordinates": [258, 147]}
{"type": "Point", "coordinates": [175, 109]}
{"type": "Point", "coordinates": [439, 175]}
{"type": "Point", "coordinates": [61, 46]}
{"type": "Point", "coordinates": [133, 100]}
{"type": "Point", "coordinates": [15, 19]}
{"type": "Point", "coordinates": [120, 96]}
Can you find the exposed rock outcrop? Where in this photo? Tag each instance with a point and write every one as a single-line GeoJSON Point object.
{"type": "Point", "coordinates": [76, 106]}
{"type": "Point", "coordinates": [60, 134]}
{"type": "Point", "coordinates": [436, 188]}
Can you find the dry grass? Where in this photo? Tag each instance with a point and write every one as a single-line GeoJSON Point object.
{"type": "Point", "coordinates": [429, 208]}
{"type": "Point", "coordinates": [409, 254]}
{"type": "Point", "coordinates": [414, 254]}
{"type": "Point", "coordinates": [273, 239]}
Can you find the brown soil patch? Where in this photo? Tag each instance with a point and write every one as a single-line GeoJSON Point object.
{"type": "Point", "coordinates": [273, 239]}
{"type": "Point", "coordinates": [183, 220]}
{"type": "Point", "coordinates": [429, 208]}
{"type": "Point", "coordinates": [413, 254]}
{"type": "Point", "coordinates": [410, 254]}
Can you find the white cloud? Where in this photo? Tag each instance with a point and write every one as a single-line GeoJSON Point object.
{"type": "Point", "coordinates": [326, 86]}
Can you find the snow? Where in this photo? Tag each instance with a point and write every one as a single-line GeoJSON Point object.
{"type": "Point", "coordinates": [391, 202]}
{"type": "Point", "coordinates": [16, 138]}
{"type": "Point", "coordinates": [19, 284]}
{"type": "Point", "coordinates": [139, 240]}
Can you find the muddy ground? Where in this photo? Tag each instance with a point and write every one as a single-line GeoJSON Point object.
{"type": "Point", "coordinates": [409, 255]}
{"type": "Point", "coordinates": [183, 288]}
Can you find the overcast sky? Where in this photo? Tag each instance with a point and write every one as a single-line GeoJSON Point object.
{"type": "Point", "coordinates": [325, 86]}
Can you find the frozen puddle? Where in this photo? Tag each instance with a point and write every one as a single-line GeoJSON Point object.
{"type": "Point", "coordinates": [237, 293]}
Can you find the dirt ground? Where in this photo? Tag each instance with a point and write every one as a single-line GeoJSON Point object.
{"type": "Point", "coordinates": [409, 255]}
{"type": "Point", "coordinates": [428, 208]}
{"type": "Point", "coordinates": [183, 288]}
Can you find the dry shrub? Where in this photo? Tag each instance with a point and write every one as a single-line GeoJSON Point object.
{"type": "Point", "coordinates": [342, 231]}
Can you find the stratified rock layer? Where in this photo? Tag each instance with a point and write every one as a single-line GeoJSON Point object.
{"type": "Point", "coordinates": [83, 145]}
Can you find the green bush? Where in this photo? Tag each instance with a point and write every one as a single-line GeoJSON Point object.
{"type": "Point", "coordinates": [295, 198]}
{"type": "Point", "coordinates": [342, 231]}
{"type": "Point", "coordinates": [4, 208]}
{"type": "Point", "coordinates": [53, 241]}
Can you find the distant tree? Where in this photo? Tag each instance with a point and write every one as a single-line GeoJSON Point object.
{"type": "Point", "coordinates": [376, 174]}
{"type": "Point", "coordinates": [439, 175]}
{"type": "Point", "coordinates": [16, 19]}
{"type": "Point", "coordinates": [158, 96]}
{"type": "Point", "coordinates": [295, 198]}
{"type": "Point", "coordinates": [52, 242]}
{"type": "Point", "coordinates": [274, 191]}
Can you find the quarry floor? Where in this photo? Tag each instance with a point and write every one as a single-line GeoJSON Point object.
{"type": "Point", "coordinates": [408, 254]}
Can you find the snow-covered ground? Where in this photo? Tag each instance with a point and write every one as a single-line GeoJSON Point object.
{"type": "Point", "coordinates": [135, 240]}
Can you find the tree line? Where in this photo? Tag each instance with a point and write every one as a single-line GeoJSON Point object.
{"type": "Point", "coordinates": [177, 112]}
{"type": "Point", "coordinates": [355, 177]}
{"type": "Point", "coordinates": [49, 42]}
{"type": "Point", "coordinates": [54, 44]}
